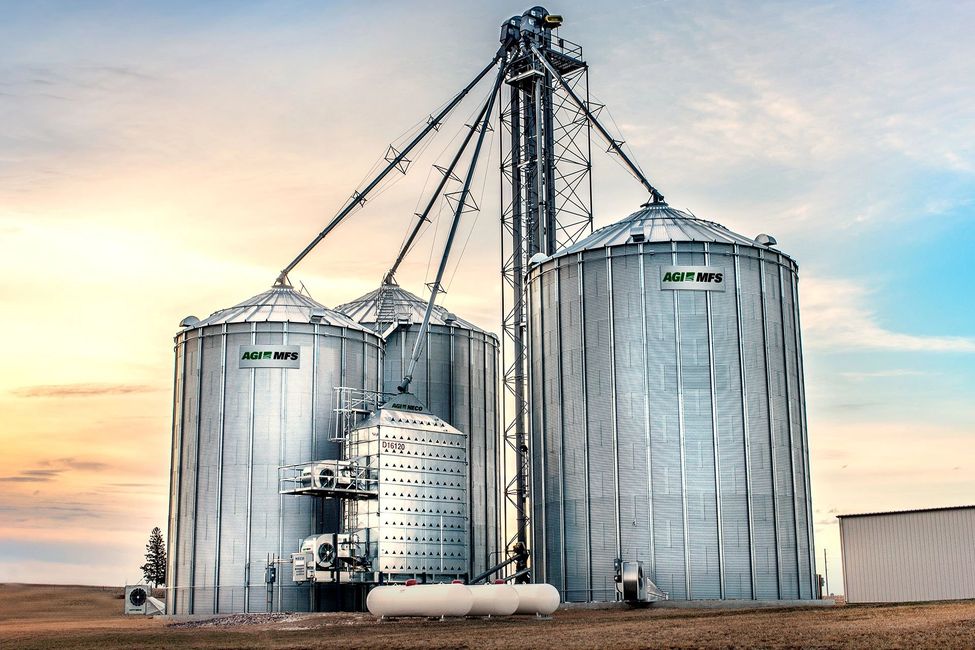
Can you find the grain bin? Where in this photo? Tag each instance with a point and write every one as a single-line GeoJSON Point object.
{"type": "Point", "coordinates": [668, 413]}
{"type": "Point", "coordinates": [253, 391]}
{"type": "Point", "coordinates": [457, 379]}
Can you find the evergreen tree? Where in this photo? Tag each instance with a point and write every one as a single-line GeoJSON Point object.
{"type": "Point", "coordinates": [154, 569]}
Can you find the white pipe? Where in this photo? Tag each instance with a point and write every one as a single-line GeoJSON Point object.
{"type": "Point", "coordinates": [538, 598]}
{"type": "Point", "coordinates": [493, 600]}
{"type": "Point", "coordinates": [420, 600]}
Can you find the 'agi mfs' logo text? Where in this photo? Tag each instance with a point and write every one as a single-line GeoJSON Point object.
{"type": "Point", "coordinates": [692, 278]}
{"type": "Point", "coordinates": [269, 356]}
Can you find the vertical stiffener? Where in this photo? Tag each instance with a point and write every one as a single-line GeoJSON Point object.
{"type": "Point", "coordinates": [457, 380]}
{"type": "Point", "coordinates": [253, 391]}
{"type": "Point", "coordinates": [668, 413]}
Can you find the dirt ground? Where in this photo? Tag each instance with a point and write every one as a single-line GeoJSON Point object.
{"type": "Point", "coordinates": [37, 616]}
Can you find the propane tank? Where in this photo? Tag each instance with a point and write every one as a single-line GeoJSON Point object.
{"type": "Point", "coordinates": [420, 600]}
{"type": "Point", "coordinates": [493, 600]}
{"type": "Point", "coordinates": [539, 598]}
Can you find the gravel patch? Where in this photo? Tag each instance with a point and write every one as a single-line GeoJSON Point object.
{"type": "Point", "coordinates": [236, 620]}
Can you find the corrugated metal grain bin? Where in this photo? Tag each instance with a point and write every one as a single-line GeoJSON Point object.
{"type": "Point", "coordinates": [253, 391]}
{"type": "Point", "coordinates": [909, 556]}
{"type": "Point", "coordinates": [668, 413]}
{"type": "Point", "coordinates": [457, 379]}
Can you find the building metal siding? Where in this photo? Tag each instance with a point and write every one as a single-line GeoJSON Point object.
{"type": "Point", "coordinates": [909, 556]}
{"type": "Point", "coordinates": [575, 452]}
{"type": "Point", "coordinates": [677, 435]}
{"type": "Point", "coordinates": [233, 428]}
{"type": "Point", "coordinates": [731, 456]}
{"type": "Point", "coordinates": [629, 363]}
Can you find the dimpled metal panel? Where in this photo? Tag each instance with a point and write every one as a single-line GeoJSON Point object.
{"type": "Point", "coordinates": [418, 526]}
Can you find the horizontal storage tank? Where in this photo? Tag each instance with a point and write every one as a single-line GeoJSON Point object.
{"type": "Point", "coordinates": [457, 380]}
{"type": "Point", "coordinates": [253, 391]}
{"type": "Point", "coordinates": [668, 413]}
{"type": "Point", "coordinates": [493, 600]}
{"type": "Point", "coordinates": [420, 600]}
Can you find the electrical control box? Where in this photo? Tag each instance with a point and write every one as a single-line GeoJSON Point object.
{"type": "Point", "coordinates": [303, 566]}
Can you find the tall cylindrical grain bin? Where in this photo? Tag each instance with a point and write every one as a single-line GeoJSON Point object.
{"type": "Point", "coordinates": [253, 391]}
{"type": "Point", "coordinates": [668, 419]}
{"type": "Point", "coordinates": [457, 379]}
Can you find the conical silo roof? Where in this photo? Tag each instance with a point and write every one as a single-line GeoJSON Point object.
{"type": "Point", "coordinates": [660, 223]}
{"type": "Point", "coordinates": [391, 303]}
{"type": "Point", "coordinates": [279, 304]}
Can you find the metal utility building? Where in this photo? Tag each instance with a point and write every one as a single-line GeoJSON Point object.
{"type": "Point", "coordinates": [253, 391]}
{"type": "Point", "coordinates": [668, 413]}
{"type": "Point", "coordinates": [457, 380]}
{"type": "Point", "coordinates": [909, 556]}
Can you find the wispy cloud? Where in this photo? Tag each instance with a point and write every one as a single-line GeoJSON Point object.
{"type": "Point", "coordinates": [33, 475]}
{"type": "Point", "coordinates": [884, 374]}
{"type": "Point", "coordinates": [135, 485]}
{"type": "Point", "coordinates": [855, 406]}
{"type": "Point", "coordinates": [42, 473]}
{"type": "Point", "coordinates": [83, 390]}
{"type": "Point", "coordinates": [52, 468]}
{"type": "Point", "coordinates": [836, 315]}
{"type": "Point", "coordinates": [83, 465]}
{"type": "Point", "coordinates": [49, 511]}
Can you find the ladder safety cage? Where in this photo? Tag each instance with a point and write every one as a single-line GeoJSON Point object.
{"type": "Point", "coordinates": [351, 406]}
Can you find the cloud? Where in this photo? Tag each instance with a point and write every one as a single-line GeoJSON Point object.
{"type": "Point", "coordinates": [855, 406]}
{"type": "Point", "coordinates": [84, 464]}
{"type": "Point", "coordinates": [33, 475]}
{"type": "Point", "coordinates": [836, 315]}
{"type": "Point", "coordinates": [74, 463]}
{"type": "Point", "coordinates": [136, 485]}
{"type": "Point", "coordinates": [50, 512]}
{"type": "Point", "coordinates": [883, 374]}
{"type": "Point", "coordinates": [83, 390]}
{"type": "Point", "coordinates": [42, 473]}
{"type": "Point", "coordinates": [53, 468]}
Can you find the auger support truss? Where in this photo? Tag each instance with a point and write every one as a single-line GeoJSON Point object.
{"type": "Point", "coordinates": [395, 160]}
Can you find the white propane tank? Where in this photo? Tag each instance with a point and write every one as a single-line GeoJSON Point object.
{"type": "Point", "coordinates": [420, 600]}
{"type": "Point", "coordinates": [538, 598]}
{"type": "Point", "coordinates": [493, 600]}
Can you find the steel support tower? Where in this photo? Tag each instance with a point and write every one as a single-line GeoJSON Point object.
{"type": "Point", "coordinates": [546, 203]}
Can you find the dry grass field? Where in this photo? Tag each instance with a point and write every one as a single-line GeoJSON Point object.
{"type": "Point", "coordinates": [35, 616]}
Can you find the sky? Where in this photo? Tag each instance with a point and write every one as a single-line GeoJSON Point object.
{"type": "Point", "coordinates": [165, 159]}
